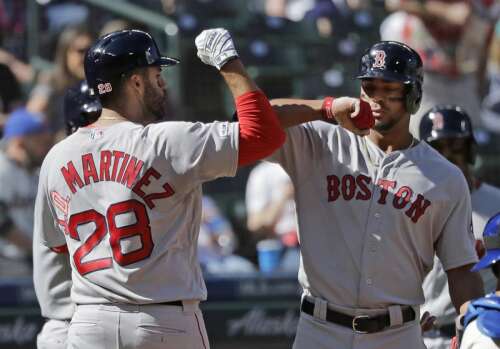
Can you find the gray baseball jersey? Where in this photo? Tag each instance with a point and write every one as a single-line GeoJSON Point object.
{"type": "Point", "coordinates": [52, 281]}
{"type": "Point", "coordinates": [485, 203]}
{"type": "Point", "coordinates": [370, 222]}
{"type": "Point", "coordinates": [126, 199]}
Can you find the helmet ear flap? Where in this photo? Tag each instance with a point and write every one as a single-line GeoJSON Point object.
{"type": "Point", "coordinates": [413, 97]}
{"type": "Point", "coordinates": [472, 152]}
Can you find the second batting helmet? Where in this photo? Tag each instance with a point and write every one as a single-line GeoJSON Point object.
{"type": "Point", "coordinates": [447, 121]}
{"type": "Point", "coordinates": [491, 236]}
{"type": "Point", "coordinates": [81, 107]}
{"type": "Point", "coordinates": [395, 61]}
{"type": "Point", "coordinates": [118, 53]}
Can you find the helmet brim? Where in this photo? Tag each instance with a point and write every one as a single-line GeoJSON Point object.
{"type": "Point", "coordinates": [385, 75]}
{"type": "Point", "coordinates": [167, 61]}
{"type": "Point", "coordinates": [491, 257]}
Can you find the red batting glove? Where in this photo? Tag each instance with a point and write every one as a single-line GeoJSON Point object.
{"type": "Point", "coordinates": [364, 119]}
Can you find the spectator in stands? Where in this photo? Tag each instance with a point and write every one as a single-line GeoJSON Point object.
{"type": "Point", "coordinates": [119, 24]}
{"type": "Point", "coordinates": [10, 93]}
{"type": "Point", "coordinates": [271, 210]}
{"type": "Point", "coordinates": [217, 242]}
{"type": "Point", "coordinates": [290, 9]}
{"type": "Point", "coordinates": [490, 113]}
{"type": "Point", "coordinates": [333, 17]}
{"type": "Point", "coordinates": [47, 97]}
{"type": "Point", "coordinates": [23, 72]}
{"type": "Point", "coordinates": [13, 16]}
{"type": "Point", "coordinates": [169, 7]}
{"type": "Point", "coordinates": [452, 39]}
{"type": "Point", "coordinates": [26, 142]}
{"type": "Point", "coordinates": [493, 68]}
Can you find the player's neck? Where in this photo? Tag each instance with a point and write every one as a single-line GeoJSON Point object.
{"type": "Point", "coordinates": [109, 116]}
{"type": "Point", "coordinates": [392, 142]}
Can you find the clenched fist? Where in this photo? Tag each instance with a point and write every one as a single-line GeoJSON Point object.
{"type": "Point", "coordinates": [352, 114]}
{"type": "Point", "coordinates": [215, 47]}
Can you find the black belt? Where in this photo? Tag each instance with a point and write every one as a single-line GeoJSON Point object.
{"type": "Point", "coordinates": [359, 323]}
{"type": "Point", "coordinates": [176, 303]}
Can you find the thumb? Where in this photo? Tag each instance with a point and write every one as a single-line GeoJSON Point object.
{"type": "Point", "coordinates": [356, 107]}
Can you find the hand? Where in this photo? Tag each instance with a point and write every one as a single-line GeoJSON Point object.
{"type": "Point", "coordinates": [454, 343]}
{"type": "Point", "coordinates": [427, 322]}
{"type": "Point", "coordinates": [353, 114]}
{"type": "Point", "coordinates": [480, 248]}
{"type": "Point", "coordinates": [215, 47]}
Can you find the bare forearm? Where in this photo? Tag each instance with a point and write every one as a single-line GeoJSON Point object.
{"type": "Point", "coordinates": [293, 112]}
{"type": "Point", "coordinates": [464, 286]}
{"type": "Point", "coordinates": [237, 78]}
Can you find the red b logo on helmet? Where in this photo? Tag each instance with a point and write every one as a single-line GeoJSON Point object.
{"type": "Point", "coordinates": [437, 121]}
{"type": "Point", "coordinates": [379, 59]}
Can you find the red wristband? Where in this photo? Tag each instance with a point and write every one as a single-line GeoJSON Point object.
{"type": "Point", "coordinates": [326, 108]}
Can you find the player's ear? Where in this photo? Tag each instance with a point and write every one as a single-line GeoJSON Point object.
{"type": "Point", "coordinates": [135, 87]}
{"type": "Point", "coordinates": [136, 81]}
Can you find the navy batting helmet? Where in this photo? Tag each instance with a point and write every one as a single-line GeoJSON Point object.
{"type": "Point", "coordinates": [394, 61]}
{"type": "Point", "coordinates": [81, 107]}
{"type": "Point", "coordinates": [448, 121]}
{"type": "Point", "coordinates": [491, 236]}
{"type": "Point", "coordinates": [118, 53]}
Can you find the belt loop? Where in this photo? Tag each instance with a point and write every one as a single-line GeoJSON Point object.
{"type": "Point", "coordinates": [320, 307]}
{"type": "Point", "coordinates": [395, 315]}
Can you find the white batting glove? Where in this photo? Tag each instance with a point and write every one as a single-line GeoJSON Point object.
{"type": "Point", "coordinates": [215, 47]}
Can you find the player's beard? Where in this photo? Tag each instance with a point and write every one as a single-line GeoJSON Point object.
{"type": "Point", "coordinates": [155, 102]}
{"type": "Point", "coordinates": [384, 127]}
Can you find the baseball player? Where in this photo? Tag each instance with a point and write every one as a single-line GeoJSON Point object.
{"type": "Point", "coordinates": [51, 267]}
{"type": "Point", "coordinates": [448, 129]}
{"type": "Point", "coordinates": [372, 212]}
{"type": "Point", "coordinates": [81, 107]}
{"type": "Point", "coordinates": [124, 195]}
{"type": "Point", "coordinates": [482, 319]}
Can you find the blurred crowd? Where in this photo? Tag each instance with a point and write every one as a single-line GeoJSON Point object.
{"type": "Point", "coordinates": [461, 67]}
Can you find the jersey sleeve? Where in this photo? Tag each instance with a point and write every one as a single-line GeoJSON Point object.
{"type": "Point", "coordinates": [200, 152]}
{"type": "Point", "coordinates": [52, 281]}
{"type": "Point", "coordinates": [45, 224]}
{"type": "Point", "coordinates": [455, 246]}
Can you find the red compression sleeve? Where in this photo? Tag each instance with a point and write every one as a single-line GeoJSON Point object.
{"type": "Point", "coordinates": [260, 130]}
